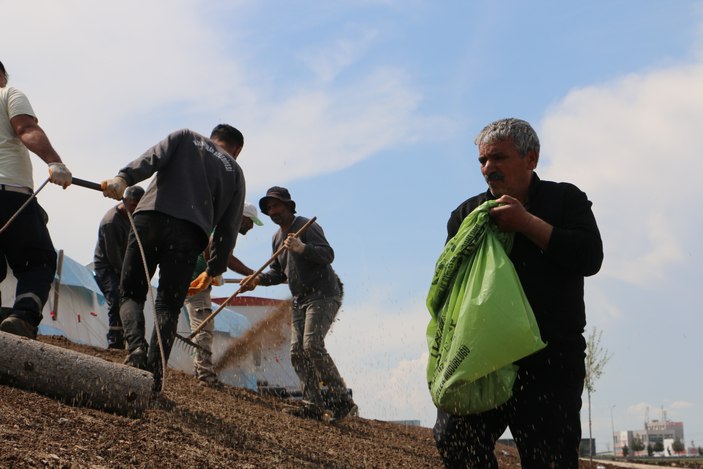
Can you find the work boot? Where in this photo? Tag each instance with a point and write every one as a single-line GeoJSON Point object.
{"type": "Point", "coordinates": [308, 410]}
{"type": "Point", "coordinates": [345, 408]}
{"type": "Point", "coordinates": [18, 326]}
{"type": "Point", "coordinates": [115, 340]}
{"type": "Point", "coordinates": [210, 382]}
{"type": "Point", "coordinates": [116, 345]}
{"type": "Point", "coordinates": [4, 313]}
{"type": "Point", "coordinates": [137, 358]}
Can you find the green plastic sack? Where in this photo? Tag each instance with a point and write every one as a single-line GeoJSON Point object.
{"type": "Point", "coordinates": [481, 321]}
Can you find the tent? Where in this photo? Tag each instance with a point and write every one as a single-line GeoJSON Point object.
{"type": "Point", "coordinates": [77, 310]}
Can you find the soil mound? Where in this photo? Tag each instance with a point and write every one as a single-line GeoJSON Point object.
{"type": "Point", "coordinates": [195, 426]}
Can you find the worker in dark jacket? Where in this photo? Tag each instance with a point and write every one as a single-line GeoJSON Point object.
{"type": "Point", "coordinates": [108, 257]}
{"type": "Point", "coordinates": [557, 243]}
{"type": "Point", "coordinates": [198, 189]}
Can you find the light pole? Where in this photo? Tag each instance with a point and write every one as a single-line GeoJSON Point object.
{"type": "Point", "coordinates": [612, 427]}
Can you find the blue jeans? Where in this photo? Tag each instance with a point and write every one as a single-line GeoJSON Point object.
{"type": "Point", "coordinates": [173, 245]}
{"type": "Point", "coordinates": [310, 322]}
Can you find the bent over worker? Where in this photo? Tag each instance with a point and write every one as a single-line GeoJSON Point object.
{"type": "Point", "coordinates": [198, 189]}
{"type": "Point", "coordinates": [25, 242]}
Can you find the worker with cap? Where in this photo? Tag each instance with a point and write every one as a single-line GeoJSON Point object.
{"type": "Point", "coordinates": [317, 296]}
{"type": "Point", "coordinates": [113, 233]}
{"type": "Point", "coordinates": [198, 303]}
{"type": "Point", "coordinates": [24, 240]}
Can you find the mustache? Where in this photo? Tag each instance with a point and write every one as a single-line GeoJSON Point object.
{"type": "Point", "coordinates": [494, 176]}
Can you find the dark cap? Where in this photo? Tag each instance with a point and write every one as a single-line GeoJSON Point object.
{"type": "Point", "coordinates": [278, 193]}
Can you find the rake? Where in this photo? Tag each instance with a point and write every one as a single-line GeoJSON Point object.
{"type": "Point", "coordinates": [188, 341]}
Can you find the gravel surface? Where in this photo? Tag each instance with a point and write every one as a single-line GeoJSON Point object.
{"type": "Point", "coordinates": [195, 426]}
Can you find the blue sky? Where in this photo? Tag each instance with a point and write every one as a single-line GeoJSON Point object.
{"type": "Point", "coordinates": [366, 111]}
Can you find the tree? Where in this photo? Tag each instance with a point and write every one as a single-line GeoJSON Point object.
{"type": "Point", "coordinates": [658, 446]}
{"type": "Point", "coordinates": [625, 451]}
{"type": "Point", "coordinates": [596, 359]}
{"type": "Point", "coordinates": [650, 449]}
{"type": "Point", "coordinates": [677, 446]}
{"type": "Point", "coordinates": [637, 445]}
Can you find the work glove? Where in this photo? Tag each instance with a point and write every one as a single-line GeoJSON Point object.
{"type": "Point", "coordinates": [249, 283]}
{"type": "Point", "coordinates": [217, 281]}
{"type": "Point", "coordinates": [294, 244]}
{"type": "Point", "coordinates": [114, 188]}
{"type": "Point", "coordinates": [59, 174]}
{"type": "Point", "coordinates": [199, 283]}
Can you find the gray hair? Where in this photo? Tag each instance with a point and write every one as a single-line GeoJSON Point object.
{"type": "Point", "coordinates": [521, 132]}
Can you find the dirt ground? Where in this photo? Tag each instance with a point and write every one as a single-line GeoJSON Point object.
{"type": "Point", "coordinates": [201, 427]}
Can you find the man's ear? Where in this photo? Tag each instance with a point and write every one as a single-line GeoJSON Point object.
{"type": "Point", "coordinates": [532, 159]}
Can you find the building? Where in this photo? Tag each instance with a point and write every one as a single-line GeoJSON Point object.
{"type": "Point", "coordinates": [656, 431]}
{"type": "Point", "coordinates": [661, 431]}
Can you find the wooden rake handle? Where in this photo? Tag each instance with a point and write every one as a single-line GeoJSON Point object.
{"type": "Point", "coordinates": [248, 279]}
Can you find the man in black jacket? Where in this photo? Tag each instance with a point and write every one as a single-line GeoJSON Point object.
{"type": "Point", "coordinates": [198, 190]}
{"type": "Point", "coordinates": [557, 243]}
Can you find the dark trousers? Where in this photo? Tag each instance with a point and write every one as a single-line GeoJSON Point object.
{"type": "Point", "coordinates": [109, 282]}
{"type": "Point", "coordinates": [543, 416]}
{"type": "Point", "coordinates": [27, 247]}
{"type": "Point", "coordinates": [173, 245]}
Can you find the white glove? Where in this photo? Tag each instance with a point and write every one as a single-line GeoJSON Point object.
{"type": "Point", "coordinates": [217, 281]}
{"type": "Point", "coordinates": [114, 188]}
{"type": "Point", "coordinates": [59, 174]}
{"type": "Point", "coordinates": [294, 244]}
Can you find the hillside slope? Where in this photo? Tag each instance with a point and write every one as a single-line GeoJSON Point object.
{"type": "Point", "coordinates": [196, 427]}
{"type": "Point", "coordinates": [201, 427]}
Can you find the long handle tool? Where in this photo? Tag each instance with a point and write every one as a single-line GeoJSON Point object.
{"type": "Point", "coordinates": [76, 181]}
{"type": "Point", "coordinates": [23, 206]}
{"type": "Point", "coordinates": [189, 340]}
{"type": "Point", "coordinates": [87, 184]}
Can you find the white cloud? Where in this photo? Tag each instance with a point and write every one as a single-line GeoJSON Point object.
{"type": "Point", "coordinates": [380, 349]}
{"type": "Point", "coordinates": [680, 405]}
{"type": "Point", "coordinates": [632, 146]}
{"type": "Point", "coordinates": [107, 83]}
{"type": "Point", "coordinates": [671, 408]}
{"type": "Point", "coordinates": [602, 309]}
{"type": "Point", "coordinates": [329, 60]}
{"type": "Point", "coordinates": [638, 409]}
{"type": "Point", "coordinates": [317, 131]}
